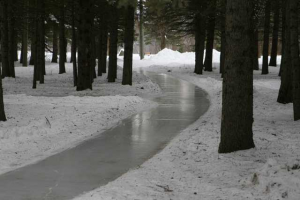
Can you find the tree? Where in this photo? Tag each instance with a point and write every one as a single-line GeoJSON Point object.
{"type": "Point", "coordinates": [2, 111]}
{"type": "Point", "coordinates": [273, 61]}
{"type": "Point", "coordinates": [113, 42]}
{"type": "Point", "coordinates": [295, 61]}
{"type": "Point", "coordinates": [211, 22]}
{"type": "Point", "coordinates": [285, 95]}
{"type": "Point", "coordinates": [265, 67]}
{"type": "Point", "coordinates": [237, 107]}
{"type": "Point", "coordinates": [62, 39]}
{"type": "Point", "coordinates": [85, 47]}
{"type": "Point", "coordinates": [128, 40]}
{"type": "Point", "coordinates": [141, 24]}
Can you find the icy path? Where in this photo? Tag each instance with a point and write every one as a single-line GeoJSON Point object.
{"type": "Point", "coordinates": [103, 159]}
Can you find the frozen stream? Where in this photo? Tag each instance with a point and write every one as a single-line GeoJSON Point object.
{"type": "Point", "coordinates": [106, 157]}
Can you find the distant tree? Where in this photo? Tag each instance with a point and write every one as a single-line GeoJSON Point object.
{"type": "Point", "coordinates": [113, 42]}
{"type": "Point", "coordinates": [265, 67]}
{"type": "Point", "coordinates": [274, 51]}
{"type": "Point", "coordinates": [62, 38]}
{"type": "Point", "coordinates": [128, 40]}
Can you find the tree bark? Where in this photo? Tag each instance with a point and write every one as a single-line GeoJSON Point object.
{"type": "Point", "coordinates": [223, 36]}
{"type": "Point", "coordinates": [208, 64]}
{"type": "Point", "coordinates": [4, 41]}
{"type": "Point", "coordinates": [74, 46]}
{"type": "Point", "coordinates": [237, 120]}
{"type": "Point", "coordinates": [141, 23]}
{"type": "Point", "coordinates": [85, 51]}
{"type": "Point", "coordinates": [11, 38]}
{"type": "Point", "coordinates": [25, 37]}
{"type": "Point", "coordinates": [295, 61]}
{"type": "Point", "coordinates": [265, 67]}
{"type": "Point", "coordinates": [129, 39]}
{"type": "Point", "coordinates": [113, 45]}
{"type": "Point", "coordinates": [273, 61]}
{"type": "Point", "coordinates": [285, 95]}
{"type": "Point", "coordinates": [199, 40]}
{"type": "Point", "coordinates": [62, 39]}
{"type": "Point", "coordinates": [55, 43]}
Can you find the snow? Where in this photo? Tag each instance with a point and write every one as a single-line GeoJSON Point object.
{"type": "Point", "coordinates": [55, 117]}
{"type": "Point", "coordinates": [190, 167]}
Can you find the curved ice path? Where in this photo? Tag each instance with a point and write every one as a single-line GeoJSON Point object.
{"type": "Point", "coordinates": [103, 159]}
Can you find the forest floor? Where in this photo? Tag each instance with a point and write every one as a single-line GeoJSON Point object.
{"type": "Point", "coordinates": [55, 117]}
{"type": "Point", "coordinates": [190, 167]}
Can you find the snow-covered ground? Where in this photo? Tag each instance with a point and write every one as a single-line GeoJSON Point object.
{"type": "Point", "coordinates": [190, 167]}
{"type": "Point", "coordinates": [55, 117]}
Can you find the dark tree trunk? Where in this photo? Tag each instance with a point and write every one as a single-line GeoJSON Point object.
{"type": "Point", "coordinates": [2, 22]}
{"type": "Point", "coordinates": [74, 46]}
{"type": "Point", "coordinates": [237, 120]}
{"type": "Point", "coordinates": [285, 95]}
{"type": "Point", "coordinates": [255, 50]}
{"type": "Point", "coordinates": [113, 45]}
{"type": "Point", "coordinates": [42, 42]}
{"type": "Point", "coordinates": [4, 39]}
{"type": "Point", "coordinates": [208, 64]}
{"type": "Point", "coordinates": [199, 40]}
{"type": "Point", "coordinates": [85, 51]}
{"type": "Point", "coordinates": [294, 45]}
{"type": "Point", "coordinates": [2, 111]}
{"type": "Point", "coordinates": [25, 39]}
{"type": "Point", "coordinates": [104, 46]}
{"type": "Point", "coordinates": [273, 61]}
{"type": "Point", "coordinates": [103, 36]}
{"type": "Point", "coordinates": [11, 39]}
{"type": "Point", "coordinates": [141, 29]}
{"type": "Point", "coordinates": [265, 67]}
{"type": "Point", "coordinates": [129, 39]}
{"type": "Point", "coordinates": [55, 43]}
{"type": "Point", "coordinates": [62, 39]}
{"type": "Point", "coordinates": [283, 7]}
{"type": "Point", "coordinates": [223, 36]}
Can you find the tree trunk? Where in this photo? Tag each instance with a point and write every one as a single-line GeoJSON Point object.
{"type": "Point", "coordinates": [2, 22]}
{"type": "Point", "coordinates": [11, 38]}
{"type": "Point", "coordinates": [295, 61]}
{"type": "Point", "coordinates": [223, 36]}
{"type": "Point", "coordinates": [4, 41]}
{"type": "Point", "coordinates": [74, 46]}
{"type": "Point", "coordinates": [62, 39]}
{"type": "Point", "coordinates": [141, 39]}
{"type": "Point", "coordinates": [25, 37]}
{"type": "Point", "coordinates": [55, 43]}
{"type": "Point", "coordinates": [129, 39]}
{"type": "Point", "coordinates": [285, 95]}
{"type": "Point", "coordinates": [237, 120]}
{"type": "Point", "coordinates": [208, 64]}
{"type": "Point", "coordinates": [283, 7]}
{"type": "Point", "coordinates": [85, 51]}
{"type": "Point", "coordinates": [163, 42]}
{"type": "Point", "coordinates": [113, 45]}
{"type": "Point", "coordinates": [265, 67]}
{"type": "Point", "coordinates": [273, 61]}
{"type": "Point", "coordinates": [255, 50]}
{"type": "Point", "coordinates": [199, 42]}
